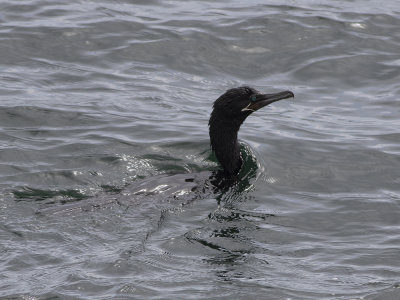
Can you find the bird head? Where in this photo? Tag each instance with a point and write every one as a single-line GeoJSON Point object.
{"type": "Point", "coordinates": [239, 103]}
{"type": "Point", "coordinates": [230, 111]}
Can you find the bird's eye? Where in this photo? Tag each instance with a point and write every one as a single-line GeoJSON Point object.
{"type": "Point", "coordinates": [253, 98]}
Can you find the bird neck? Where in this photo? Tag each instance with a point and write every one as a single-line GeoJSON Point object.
{"type": "Point", "coordinates": [224, 143]}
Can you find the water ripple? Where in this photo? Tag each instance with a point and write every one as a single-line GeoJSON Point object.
{"type": "Point", "coordinates": [104, 106]}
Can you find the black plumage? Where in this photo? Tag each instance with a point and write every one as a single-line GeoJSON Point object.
{"type": "Point", "coordinates": [229, 112]}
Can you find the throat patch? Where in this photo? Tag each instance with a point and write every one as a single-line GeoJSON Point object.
{"type": "Point", "coordinates": [248, 109]}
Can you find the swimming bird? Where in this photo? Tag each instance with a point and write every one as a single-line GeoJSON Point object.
{"type": "Point", "coordinates": [229, 112]}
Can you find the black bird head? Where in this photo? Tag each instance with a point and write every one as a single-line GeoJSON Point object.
{"type": "Point", "coordinates": [229, 112]}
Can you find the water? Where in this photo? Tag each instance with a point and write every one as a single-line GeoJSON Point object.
{"type": "Point", "coordinates": [103, 99]}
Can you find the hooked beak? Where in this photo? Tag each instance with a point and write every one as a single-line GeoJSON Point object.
{"type": "Point", "coordinates": [262, 100]}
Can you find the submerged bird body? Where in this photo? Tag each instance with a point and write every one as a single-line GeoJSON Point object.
{"type": "Point", "coordinates": [229, 112]}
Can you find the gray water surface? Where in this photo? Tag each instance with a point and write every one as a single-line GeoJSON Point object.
{"type": "Point", "coordinates": [104, 108]}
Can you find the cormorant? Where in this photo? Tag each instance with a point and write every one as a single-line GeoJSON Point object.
{"type": "Point", "coordinates": [229, 112]}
